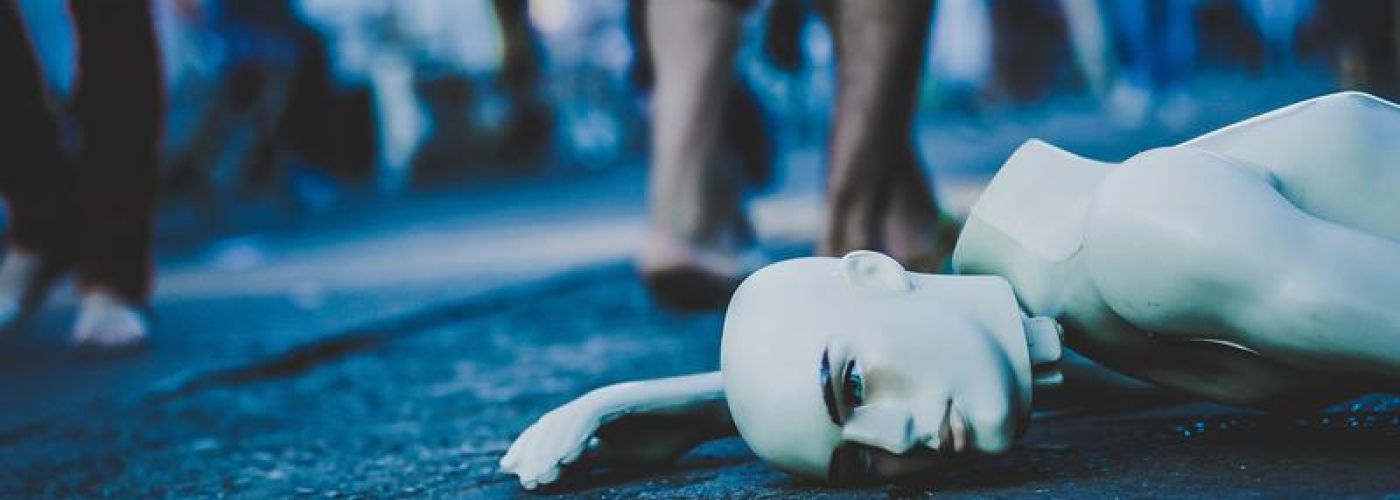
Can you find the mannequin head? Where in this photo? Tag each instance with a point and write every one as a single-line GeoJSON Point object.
{"type": "Point", "coordinates": [854, 370]}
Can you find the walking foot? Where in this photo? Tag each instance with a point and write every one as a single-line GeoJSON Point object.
{"type": "Point", "coordinates": [107, 322]}
{"type": "Point", "coordinates": [25, 280]}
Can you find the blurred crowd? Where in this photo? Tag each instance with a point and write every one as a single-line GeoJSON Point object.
{"type": "Point", "coordinates": [307, 99]}
{"type": "Point", "coordinates": [308, 94]}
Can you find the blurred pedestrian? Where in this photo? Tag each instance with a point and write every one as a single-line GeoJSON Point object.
{"type": "Point", "coordinates": [699, 243]}
{"type": "Point", "coordinates": [1367, 39]}
{"type": "Point", "coordinates": [1088, 35]}
{"type": "Point", "coordinates": [90, 212]}
{"type": "Point", "coordinates": [522, 58]}
{"type": "Point", "coordinates": [269, 114]}
{"type": "Point", "coordinates": [745, 130]}
{"type": "Point", "coordinates": [1277, 23]}
{"type": "Point", "coordinates": [1157, 49]}
{"type": "Point", "coordinates": [1031, 48]}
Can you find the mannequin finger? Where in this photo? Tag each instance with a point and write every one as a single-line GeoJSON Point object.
{"type": "Point", "coordinates": [512, 456]}
{"type": "Point", "coordinates": [572, 456]}
{"type": "Point", "coordinates": [556, 444]}
{"type": "Point", "coordinates": [549, 446]}
{"type": "Point", "coordinates": [577, 435]}
{"type": "Point", "coordinates": [534, 457]}
{"type": "Point", "coordinates": [508, 461]}
{"type": "Point", "coordinates": [549, 476]}
{"type": "Point", "coordinates": [519, 447]}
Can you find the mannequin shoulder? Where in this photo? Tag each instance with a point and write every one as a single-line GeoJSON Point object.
{"type": "Point", "coordinates": [1172, 182]}
{"type": "Point", "coordinates": [1347, 121]}
{"type": "Point", "coordinates": [1175, 227]}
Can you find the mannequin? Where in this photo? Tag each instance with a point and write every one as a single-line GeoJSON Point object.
{"type": "Point", "coordinates": [1257, 265]}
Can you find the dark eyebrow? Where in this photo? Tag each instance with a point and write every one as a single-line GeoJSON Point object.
{"type": "Point", "coordinates": [828, 393]}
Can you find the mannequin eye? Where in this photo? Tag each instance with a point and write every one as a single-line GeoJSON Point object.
{"type": "Point", "coordinates": [853, 384]}
{"type": "Point", "coordinates": [842, 391]}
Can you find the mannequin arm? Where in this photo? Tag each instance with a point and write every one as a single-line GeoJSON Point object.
{"type": "Point", "coordinates": [642, 423]}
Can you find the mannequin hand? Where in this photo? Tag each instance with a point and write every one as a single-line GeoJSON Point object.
{"type": "Point", "coordinates": [604, 427]}
{"type": "Point", "coordinates": [557, 440]}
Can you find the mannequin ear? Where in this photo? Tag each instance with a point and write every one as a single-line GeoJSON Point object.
{"type": "Point", "coordinates": [874, 271]}
{"type": "Point", "coordinates": [1043, 339]}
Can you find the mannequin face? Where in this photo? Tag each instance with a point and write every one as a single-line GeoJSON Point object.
{"type": "Point", "coordinates": [853, 370]}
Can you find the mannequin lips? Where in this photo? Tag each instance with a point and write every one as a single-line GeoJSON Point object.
{"type": "Point", "coordinates": [877, 446]}
{"type": "Point", "coordinates": [854, 464]}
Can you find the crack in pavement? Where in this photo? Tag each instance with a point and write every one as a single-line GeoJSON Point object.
{"type": "Point", "coordinates": [335, 347]}
{"type": "Point", "coordinates": [331, 348]}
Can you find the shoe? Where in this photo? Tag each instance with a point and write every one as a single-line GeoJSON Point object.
{"type": "Point", "coordinates": [108, 323]}
{"type": "Point", "coordinates": [25, 281]}
{"type": "Point", "coordinates": [683, 276]}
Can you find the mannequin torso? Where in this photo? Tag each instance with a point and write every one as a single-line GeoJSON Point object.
{"type": "Point", "coordinates": [1156, 267]}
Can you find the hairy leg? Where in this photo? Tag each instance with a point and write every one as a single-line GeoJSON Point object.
{"type": "Point", "coordinates": [877, 195]}
{"type": "Point", "coordinates": [695, 199]}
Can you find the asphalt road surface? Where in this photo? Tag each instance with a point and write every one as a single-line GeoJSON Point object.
{"type": "Point", "coordinates": [425, 404]}
{"type": "Point", "coordinates": [394, 349]}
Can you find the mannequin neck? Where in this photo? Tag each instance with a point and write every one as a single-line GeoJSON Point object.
{"type": "Point", "coordinates": [1028, 226]}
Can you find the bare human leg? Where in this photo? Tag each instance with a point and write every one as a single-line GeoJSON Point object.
{"type": "Point", "coordinates": [877, 195]}
{"type": "Point", "coordinates": [698, 244]}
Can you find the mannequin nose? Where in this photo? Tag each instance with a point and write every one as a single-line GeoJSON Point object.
{"type": "Point", "coordinates": [883, 426]}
